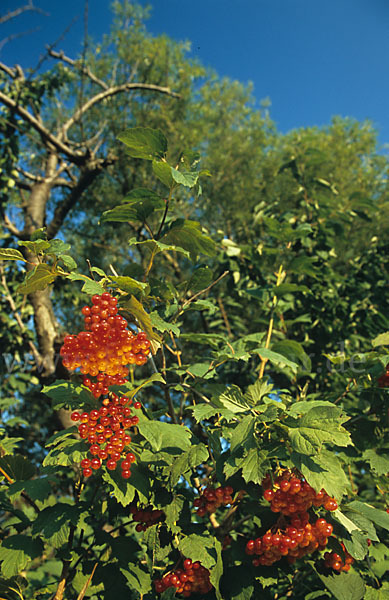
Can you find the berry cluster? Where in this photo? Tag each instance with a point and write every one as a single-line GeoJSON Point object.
{"type": "Point", "coordinates": [106, 432]}
{"type": "Point", "coordinates": [333, 560]}
{"type": "Point", "coordinates": [103, 351]}
{"type": "Point", "coordinates": [211, 499]}
{"type": "Point", "coordinates": [146, 517]}
{"type": "Point", "coordinates": [383, 381]}
{"type": "Point", "coordinates": [106, 346]}
{"type": "Point", "coordinates": [192, 579]}
{"type": "Point", "coordinates": [298, 539]}
{"type": "Point", "coordinates": [293, 495]}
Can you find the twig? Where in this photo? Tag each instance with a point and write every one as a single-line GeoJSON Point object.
{"type": "Point", "coordinates": [112, 91]}
{"type": "Point", "coordinates": [82, 68]}
{"type": "Point", "coordinates": [18, 11]}
{"type": "Point", "coordinates": [168, 398]}
{"type": "Point", "coordinates": [8, 297]}
{"type": "Point", "coordinates": [87, 583]}
{"type": "Point", "coordinates": [225, 317]}
{"type": "Point", "coordinates": [211, 285]}
{"type": "Point", "coordinates": [280, 278]}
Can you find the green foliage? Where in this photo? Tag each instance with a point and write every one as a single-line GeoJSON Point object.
{"type": "Point", "coordinates": [263, 298]}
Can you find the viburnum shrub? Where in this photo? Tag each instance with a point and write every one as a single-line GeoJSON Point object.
{"type": "Point", "coordinates": [186, 456]}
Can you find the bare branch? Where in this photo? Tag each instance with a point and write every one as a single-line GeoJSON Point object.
{"type": "Point", "coordinates": [14, 36]}
{"type": "Point", "coordinates": [33, 348]}
{"type": "Point", "coordinates": [112, 92]}
{"type": "Point", "coordinates": [75, 64]}
{"type": "Point", "coordinates": [47, 137]}
{"type": "Point", "coordinates": [55, 179]}
{"type": "Point", "coordinates": [11, 227]}
{"type": "Point", "coordinates": [87, 177]}
{"type": "Point", "coordinates": [11, 72]}
{"type": "Point", "coordinates": [18, 11]}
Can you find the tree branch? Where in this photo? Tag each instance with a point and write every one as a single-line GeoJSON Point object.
{"type": "Point", "coordinates": [18, 11]}
{"type": "Point", "coordinates": [74, 63]}
{"type": "Point", "coordinates": [47, 137]}
{"type": "Point", "coordinates": [87, 177]}
{"type": "Point", "coordinates": [108, 93]}
{"type": "Point", "coordinates": [8, 297]}
{"type": "Point", "coordinates": [11, 227]}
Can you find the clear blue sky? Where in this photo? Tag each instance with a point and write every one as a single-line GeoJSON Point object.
{"type": "Point", "coordinates": [312, 59]}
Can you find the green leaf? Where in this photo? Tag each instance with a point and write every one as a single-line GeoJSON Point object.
{"type": "Point", "coordinates": [276, 358]}
{"type": "Point", "coordinates": [138, 579]}
{"type": "Point", "coordinates": [379, 517]}
{"type": "Point", "coordinates": [161, 325]}
{"type": "Point", "coordinates": [140, 204]}
{"type": "Point", "coordinates": [172, 511]}
{"type": "Point", "coordinates": [189, 235]}
{"type": "Point", "coordinates": [378, 462]}
{"type": "Point", "coordinates": [234, 400]}
{"type": "Point", "coordinates": [199, 547]}
{"type": "Point", "coordinates": [120, 214]}
{"type": "Point", "coordinates": [318, 426]}
{"type": "Point", "coordinates": [187, 461]}
{"type": "Point", "coordinates": [294, 352]}
{"type": "Point", "coordinates": [381, 340]}
{"type": "Point", "coordinates": [17, 467]}
{"type": "Point", "coordinates": [323, 471]}
{"type": "Point", "coordinates": [143, 318]}
{"type": "Point", "coordinates": [66, 394]}
{"type": "Point", "coordinates": [203, 412]}
{"type": "Point", "coordinates": [68, 261]}
{"type": "Point", "coordinates": [16, 551]}
{"type": "Point", "coordinates": [68, 452]}
{"type": "Point", "coordinates": [37, 247]}
{"type": "Point", "coordinates": [185, 178]}
{"type": "Point", "coordinates": [243, 436]}
{"type": "Point", "coordinates": [254, 466]}
{"type": "Point", "coordinates": [53, 522]}
{"type": "Point", "coordinates": [209, 339]}
{"type": "Point", "coordinates": [37, 489]}
{"type": "Point", "coordinates": [37, 279]}
{"type": "Point", "coordinates": [238, 584]}
{"type": "Point", "coordinates": [344, 586]}
{"type": "Point", "coordinates": [8, 445]}
{"type": "Point", "coordinates": [200, 279]}
{"type": "Point", "coordinates": [164, 173]}
{"type": "Point", "coordinates": [11, 254]}
{"type": "Point", "coordinates": [303, 265]}
{"type": "Point", "coordinates": [162, 435]}
{"type": "Point", "coordinates": [130, 285]}
{"type": "Point", "coordinates": [380, 594]}
{"type": "Point", "coordinates": [58, 247]}
{"type": "Point", "coordinates": [122, 491]}
{"type": "Point", "coordinates": [289, 288]}
{"type": "Point", "coordinates": [90, 286]}
{"type": "Point", "coordinates": [144, 142]}
{"type": "Point", "coordinates": [12, 589]}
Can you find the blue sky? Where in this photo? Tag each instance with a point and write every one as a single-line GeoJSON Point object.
{"type": "Point", "coordinates": [312, 59]}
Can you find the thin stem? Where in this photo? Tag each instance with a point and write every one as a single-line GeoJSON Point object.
{"type": "Point", "coordinates": [280, 277]}
{"type": "Point", "coordinates": [164, 214]}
